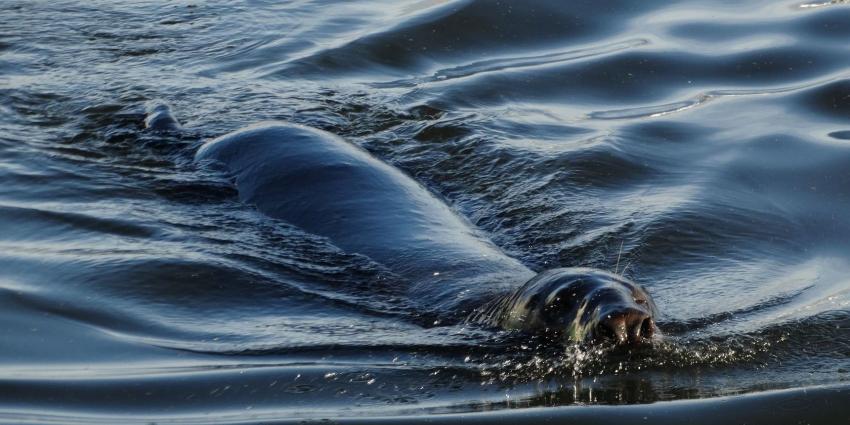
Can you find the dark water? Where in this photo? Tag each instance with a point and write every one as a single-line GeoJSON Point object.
{"type": "Point", "coordinates": [700, 148]}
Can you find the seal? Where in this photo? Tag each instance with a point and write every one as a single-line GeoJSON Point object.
{"type": "Point", "coordinates": [160, 119]}
{"type": "Point", "coordinates": [330, 187]}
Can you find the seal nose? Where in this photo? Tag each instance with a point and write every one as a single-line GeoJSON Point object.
{"type": "Point", "coordinates": [626, 327]}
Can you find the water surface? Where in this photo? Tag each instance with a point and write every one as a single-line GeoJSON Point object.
{"type": "Point", "coordinates": [700, 148]}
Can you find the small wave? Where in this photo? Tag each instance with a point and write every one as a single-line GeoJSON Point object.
{"type": "Point", "coordinates": [73, 221]}
{"type": "Point", "coordinates": [513, 63]}
{"type": "Point", "coordinates": [811, 5]}
{"type": "Point", "coordinates": [698, 100]}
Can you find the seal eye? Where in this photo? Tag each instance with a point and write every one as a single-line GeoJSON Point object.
{"type": "Point", "coordinates": [640, 300]}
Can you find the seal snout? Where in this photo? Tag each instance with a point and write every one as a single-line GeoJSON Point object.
{"type": "Point", "coordinates": [628, 326]}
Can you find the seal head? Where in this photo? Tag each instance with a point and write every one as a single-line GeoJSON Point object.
{"type": "Point", "coordinates": [577, 304]}
{"type": "Point", "coordinates": [160, 119]}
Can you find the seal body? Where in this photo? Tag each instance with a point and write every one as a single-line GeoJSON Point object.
{"type": "Point", "coordinates": [332, 188]}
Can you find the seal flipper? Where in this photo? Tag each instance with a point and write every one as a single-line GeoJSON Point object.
{"type": "Point", "coordinates": [160, 119]}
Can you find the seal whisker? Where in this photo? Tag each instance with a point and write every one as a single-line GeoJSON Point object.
{"type": "Point", "coordinates": [617, 266]}
{"type": "Point", "coordinates": [623, 273]}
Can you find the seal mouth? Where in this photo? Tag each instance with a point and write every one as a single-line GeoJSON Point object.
{"type": "Point", "coordinates": [627, 327]}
